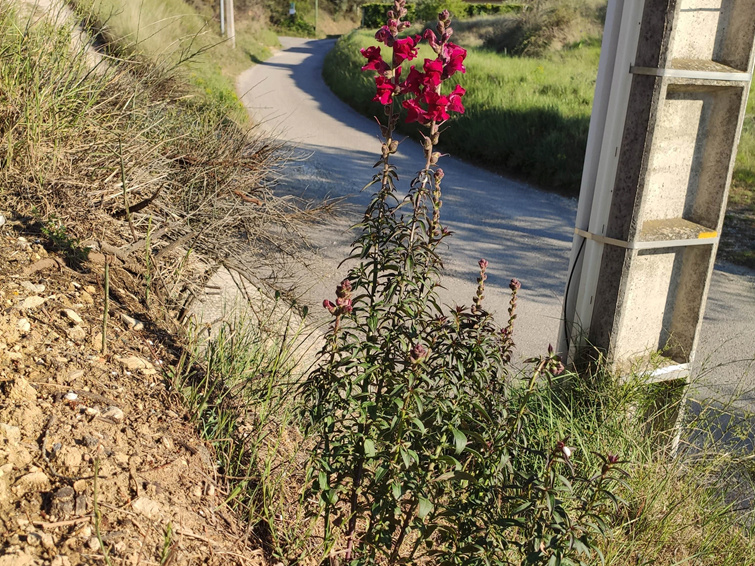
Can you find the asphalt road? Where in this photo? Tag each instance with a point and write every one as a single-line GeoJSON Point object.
{"type": "Point", "coordinates": [522, 231]}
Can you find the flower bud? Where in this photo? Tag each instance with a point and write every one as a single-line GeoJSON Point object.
{"type": "Point", "coordinates": [330, 306]}
{"type": "Point", "coordinates": [564, 449]}
{"type": "Point", "coordinates": [515, 285]}
{"type": "Point", "coordinates": [418, 353]}
{"type": "Point", "coordinates": [483, 263]}
{"type": "Point", "coordinates": [434, 157]}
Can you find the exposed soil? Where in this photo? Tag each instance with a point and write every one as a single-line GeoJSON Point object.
{"type": "Point", "coordinates": [73, 417]}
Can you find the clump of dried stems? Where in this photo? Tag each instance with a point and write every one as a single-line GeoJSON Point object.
{"type": "Point", "coordinates": [123, 158]}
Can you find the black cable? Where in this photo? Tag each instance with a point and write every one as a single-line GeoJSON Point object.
{"type": "Point", "coordinates": [566, 293]}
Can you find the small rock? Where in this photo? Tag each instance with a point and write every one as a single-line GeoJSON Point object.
{"type": "Point", "coordinates": [93, 544]}
{"type": "Point", "coordinates": [47, 541]}
{"type": "Point", "coordinates": [133, 363]}
{"type": "Point", "coordinates": [34, 481]}
{"type": "Point", "coordinates": [112, 414]}
{"type": "Point", "coordinates": [197, 491]}
{"type": "Point", "coordinates": [80, 486]}
{"type": "Point", "coordinates": [33, 539]}
{"type": "Point", "coordinates": [71, 396]}
{"type": "Point", "coordinates": [84, 532]}
{"type": "Point", "coordinates": [121, 458]}
{"type": "Point", "coordinates": [21, 390]}
{"type": "Point", "coordinates": [22, 243]}
{"type": "Point", "coordinates": [62, 502]}
{"type": "Point", "coordinates": [146, 507]}
{"type": "Point", "coordinates": [131, 322]}
{"type": "Point", "coordinates": [11, 433]}
{"type": "Point", "coordinates": [76, 374]}
{"type": "Point", "coordinates": [76, 333]}
{"type": "Point", "coordinates": [70, 457]}
{"type": "Point", "coordinates": [81, 505]}
{"type": "Point", "coordinates": [23, 325]}
{"type": "Point", "coordinates": [32, 288]}
{"type": "Point", "coordinates": [86, 298]}
{"type": "Point", "coordinates": [90, 441]}
{"type": "Point", "coordinates": [91, 411]}
{"type": "Point", "coordinates": [2, 220]}
{"type": "Point", "coordinates": [90, 289]}
{"type": "Point", "coordinates": [73, 316]}
{"type": "Point", "coordinates": [20, 559]}
{"type": "Point", "coordinates": [31, 302]}
{"type": "Point", "coordinates": [61, 560]}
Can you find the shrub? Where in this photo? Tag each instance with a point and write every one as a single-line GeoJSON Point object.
{"type": "Point", "coordinates": [428, 10]}
{"type": "Point", "coordinates": [419, 419]}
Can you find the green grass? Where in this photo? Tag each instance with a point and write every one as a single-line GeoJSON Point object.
{"type": "Point", "coordinates": [240, 385]}
{"type": "Point", "coordinates": [527, 117]}
{"type": "Point", "coordinates": [174, 33]}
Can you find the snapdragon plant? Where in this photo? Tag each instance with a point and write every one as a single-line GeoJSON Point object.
{"type": "Point", "coordinates": [419, 420]}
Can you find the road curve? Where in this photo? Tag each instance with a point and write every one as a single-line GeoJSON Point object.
{"type": "Point", "coordinates": [522, 231]}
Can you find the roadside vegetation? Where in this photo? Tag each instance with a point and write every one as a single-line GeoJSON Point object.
{"type": "Point", "coordinates": [530, 82]}
{"type": "Point", "coordinates": [184, 38]}
{"type": "Point", "coordinates": [148, 186]}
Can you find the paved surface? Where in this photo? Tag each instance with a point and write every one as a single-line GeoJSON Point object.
{"type": "Point", "coordinates": [522, 231]}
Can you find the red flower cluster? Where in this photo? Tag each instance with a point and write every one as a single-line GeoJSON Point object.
{"type": "Point", "coordinates": [427, 104]}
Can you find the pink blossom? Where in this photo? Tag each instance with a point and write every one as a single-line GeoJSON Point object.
{"type": "Point", "coordinates": [405, 49]}
{"type": "Point", "coordinates": [431, 39]}
{"type": "Point", "coordinates": [384, 35]}
{"type": "Point", "coordinates": [433, 70]}
{"type": "Point", "coordinates": [385, 88]}
{"type": "Point", "coordinates": [413, 82]}
{"type": "Point", "coordinates": [374, 60]}
{"type": "Point", "coordinates": [436, 106]}
{"type": "Point", "coordinates": [415, 113]}
{"type": "Point", "coordinates": [454, 100]}
{"type": "Point", "coordinates": [453, 57]}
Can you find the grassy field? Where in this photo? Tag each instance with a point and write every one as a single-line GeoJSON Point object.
{"type": "Point", "coordinates": [186, 38]}
{"type": "Point", "coordinates": [523, 116]}
{"type": "Point", "coordinates": [529, 117]}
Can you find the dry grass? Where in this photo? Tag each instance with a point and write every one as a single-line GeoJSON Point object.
{"type": "Point", "coordinates": [122, 158]}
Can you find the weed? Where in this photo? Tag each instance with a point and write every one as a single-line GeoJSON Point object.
{"type": "Point", "coordinates": [421, 425]}
{"type": "Point", "coordinates": [70, 246]}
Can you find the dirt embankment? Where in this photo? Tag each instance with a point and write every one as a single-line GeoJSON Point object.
{"type": "Point", "coordinates": [97, 457]}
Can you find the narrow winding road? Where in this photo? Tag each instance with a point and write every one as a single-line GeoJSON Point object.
{"type": "Point", "coordinates": [522, 231]}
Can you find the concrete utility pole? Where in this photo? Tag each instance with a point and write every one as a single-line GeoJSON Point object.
{"type": "Point", "coordinates": [230, 24]}
{"type": "Point", "coordinates": [669, 105]}
{"type": "Point", "coordinates": [222, 18]}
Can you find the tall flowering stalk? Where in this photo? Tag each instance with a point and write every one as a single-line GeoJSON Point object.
{"type": "Point", "coordinates": [411, 406]}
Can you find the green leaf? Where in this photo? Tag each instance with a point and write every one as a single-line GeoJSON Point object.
{"type": "Point", "coordinates": [460, 440]}
{"type": "Point", "coordinates": [322, 479]}
{"type": "Point", "coordinates": [406, 457]}
{"type": "Point", "coordinates": [425, 506]}
{"type": "Point", "coordinates": [369, 448]}
{"type": "Point", "coordinates": [396, 490]}
{"type": "Point", "coordinates": [419, 424]}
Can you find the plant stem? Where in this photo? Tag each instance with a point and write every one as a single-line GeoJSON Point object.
{"type": "Point", "coordinates": [107, 306]}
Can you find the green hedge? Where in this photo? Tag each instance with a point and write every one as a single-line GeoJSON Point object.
{"type": "Point", "coordinates": [374, 14]}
